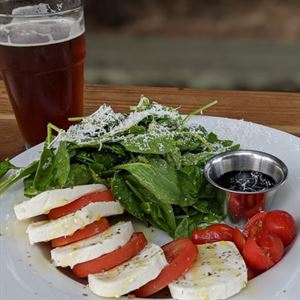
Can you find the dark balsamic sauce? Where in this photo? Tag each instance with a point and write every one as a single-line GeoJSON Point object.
{"type": "Point", "coordinates": [245, 181]}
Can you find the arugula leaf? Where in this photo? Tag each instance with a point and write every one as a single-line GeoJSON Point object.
{"type": "Point", "coordinates": [19, 174]}
{"type": "Point", "coordinates": [5, 166]}
{"type": "Point", "coordinates": [29, 189]}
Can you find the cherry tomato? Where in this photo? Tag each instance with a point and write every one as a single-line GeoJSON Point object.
{"type": "Point", "coordinates": [271, 244]}
{"type": "Point", "coordinates": [214, 233]}
{"type": "Point", "coordinates": [251, 273]}
{"type": "Point", "coordinates": [258, 207]}
{"type": "Point", "coordinates": [263, 253]}
{"type": "Point", "coordinates": [237, 205]}
{"type": "Point", "coordinates": [282, 224]}
{"type": "Point", "coordinates": [239, 239]}
{"type": "Point", "coordinates": [112, 259]}
{"type": "Point", "coordinates": [250, 200]}
{"type": "Point", "coordinates": [254, 225]}
{"type": "Point", "coordinates": [81, 202]}
{"type": "Point", "coordinates": [180, 255]}
{"type": "Point", "coordinates": [81, 234]}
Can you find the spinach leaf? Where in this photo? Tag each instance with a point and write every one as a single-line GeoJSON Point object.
{"type": "Point", "coordinates": [188, 224]}
{"type": "Point", "coordinates": [191, 180]}
{"type": "Point", "coordinates": [60, 166]}
{"type": "Point", "coordinates": [198, 159]}
{"type": "Point", "coordinates": [149, 144]}
{"type": "Point", "coordinates": [79, 175]}
{"type": "Point", "coordinates": [142, 204]}
{"type": "Point", "coordinates": [126, 197]}
{"type": "Point", "coordinates": [43, 175]}
{"type": "Point", "coordinates": [115, 148]}
{"type": "Point", "coordinates": [182, 229]}
{"type": "Point", "coordinates": [53, 169]}
{"type": "Point", "coordinates": [106, 159]}
{"type": "Point", "coordinates": [156, 216]}
{"type": "Point", "coordinates": [158, 177]}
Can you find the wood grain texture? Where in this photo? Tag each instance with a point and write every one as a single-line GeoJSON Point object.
{"type": "Point", "coordinates": [277, 110]}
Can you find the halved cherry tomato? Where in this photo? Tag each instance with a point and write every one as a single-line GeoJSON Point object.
{"type": "Point", "coordinates": [239, 239]}
{"type": "Point", "coordinates": [81, 234]}
{"type": "Point", "coordinates": [213, 233]}
{"type": "Point", "coordinates": [263, 253]}
{"type": "Point", "coordinates": [271, 244]}
{"type": "Point", "coordinates": [254, 225]}
{"type": "Point", "coordinates": [112, 259]}
{"type": "Point", "coordinates": [180, 255]}
{"type": "Point", "coordinates": [282, 224]}
{"type": "Point", "coordinates": [81, 202]}
{"type": "Point", "coordinates": [251, 273]}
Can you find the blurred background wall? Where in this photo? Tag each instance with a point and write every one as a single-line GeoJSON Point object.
{"type": "Point", "coordinates": [220, 44]}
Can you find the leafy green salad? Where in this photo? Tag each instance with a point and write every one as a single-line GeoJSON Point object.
{"type": "Point", "coordinates": [152, 159]}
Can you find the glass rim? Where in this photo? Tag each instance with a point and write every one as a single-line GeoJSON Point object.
{"type": "Point", "coordinates": [42, 15]}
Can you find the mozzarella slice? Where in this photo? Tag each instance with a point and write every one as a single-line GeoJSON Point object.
{"type": "Point", "coordinates": [48, 230]}
{"type": "Point", "coordinates": [111, 239]}
{"type": "Point", "coordinates": [130, 275]}
{"type": "Point", "coordinates": [45, 201]}
{"type": "Point", "coordinates": [220, 272]}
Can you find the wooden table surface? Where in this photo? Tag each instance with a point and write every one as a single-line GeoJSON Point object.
{"type": "Point", "coordinates": [277, 110]}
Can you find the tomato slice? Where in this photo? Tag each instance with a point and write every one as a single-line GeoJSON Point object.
{"type": "Point", "coordinates": [81, 202]}
{"type": "Point", "coordinates": [239, 239]}
{"type": "Point", "coordinates": [181, 255]}
{"type": "Point", "coordinates": [213, 233]}
{"type": "Point", "coordinates": [81, 234]}
{"type": "Point", "coordinates": [263, 253]}
{"type": "Point", "coordinates": [254, 224]}
{"type": "Point", "coordinates": [282, 224]}
{"type": "Point", "coordinates": [112, 259]}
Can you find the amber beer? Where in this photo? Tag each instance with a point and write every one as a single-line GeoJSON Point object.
{"type": "Point", "coordinates": [42, 66]}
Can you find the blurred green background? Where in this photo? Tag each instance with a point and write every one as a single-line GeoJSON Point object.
{"type": "Point", "coordinates": [219, 44]}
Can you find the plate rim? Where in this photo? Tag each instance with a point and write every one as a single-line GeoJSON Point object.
{"type": "Point", "coordinates": [38, 147]}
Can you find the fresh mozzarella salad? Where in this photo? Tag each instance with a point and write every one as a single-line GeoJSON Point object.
{"type": "Point", "coordinates": [216, 263]}
{"type": "Point", "coordinates": [117, 261]}
{"type": "Point", "coordinates": [147, 164]}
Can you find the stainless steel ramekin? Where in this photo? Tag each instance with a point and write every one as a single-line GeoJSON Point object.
{"type": "Point", "coordinates": [240, 206]}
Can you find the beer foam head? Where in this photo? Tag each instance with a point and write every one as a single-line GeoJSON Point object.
{"type": "Point", "coordinates": [45, 29]}
{"type": "Point", "coordinates": [41, 8]}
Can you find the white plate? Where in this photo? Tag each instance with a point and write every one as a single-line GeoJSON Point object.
{"type": "Point", "coordinates": [26, 272]}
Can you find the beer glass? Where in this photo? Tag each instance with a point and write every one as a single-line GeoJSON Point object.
{"type": "Point", "coordinates": [42, 51]}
